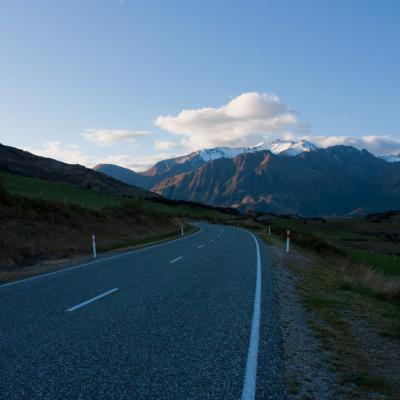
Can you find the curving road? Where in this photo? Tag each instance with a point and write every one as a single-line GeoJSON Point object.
{"type": "Point", "coordinates": [193, 318]}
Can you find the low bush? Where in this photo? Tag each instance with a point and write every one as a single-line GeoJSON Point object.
{"type": "Point", "coordinates": [363, 277]}
{"type": "Point", "coordinates": [309, 241]}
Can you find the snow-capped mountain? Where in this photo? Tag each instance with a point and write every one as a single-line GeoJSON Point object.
{"type": "Point", "coordinates": [281, 147]}
{"type": "Point", "coordinates": [335, 180]}
{"type": "Point", "coordinates": [291, 148]}
{"type": "Point", "coordinates": [391, 157]}
{"type": "Point", "coordinates": [190, 162]}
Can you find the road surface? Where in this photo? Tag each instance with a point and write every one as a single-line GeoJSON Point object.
{"type": "Point", "coordinates": [193, 318]}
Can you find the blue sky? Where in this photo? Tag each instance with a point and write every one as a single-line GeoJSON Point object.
{"type": "Point", "coordinates": [107, 80]}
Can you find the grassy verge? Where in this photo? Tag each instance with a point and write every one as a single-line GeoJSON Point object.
{"type": "Point", "coordinates": [358, 329]}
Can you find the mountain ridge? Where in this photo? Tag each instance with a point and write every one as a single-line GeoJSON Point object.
{"type": "Point", "coordinates": [335, 180]}
{"type": "Point", "coordinates": [330, 181]}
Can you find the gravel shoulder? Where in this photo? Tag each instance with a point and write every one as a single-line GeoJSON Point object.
{"type": "Point", "coordinates": [308, 371]}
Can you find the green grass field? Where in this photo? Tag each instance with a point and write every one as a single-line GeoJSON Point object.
{"type": "Point", "coordinates": [68, 194]}
{"type": "Point", "coordinates": [57, 191]}
{"type": "Point", "coordinates": [363, 241]}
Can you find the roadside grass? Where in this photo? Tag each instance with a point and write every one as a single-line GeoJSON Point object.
{"type": "Point", "coordinates": [367, 253]}
{"type": "Point", "coordinates": [338, 288]}
{"type": "Point", "coordinates": [330, 307]}
{"type": "Point", "coordinates": [388, 264]}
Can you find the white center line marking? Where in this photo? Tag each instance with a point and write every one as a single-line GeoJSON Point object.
{"type": "Point", "coordinates": [175, 260]}
{"type": "Point", "coordinates": [249, 386]}
{"type": "Point", "coordinates": [85, 303]}
{"type": "Point", "coordinates": [199, 247]}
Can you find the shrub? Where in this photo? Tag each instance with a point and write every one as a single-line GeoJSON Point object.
{"type": "Point", "coordinates": [360, 276]}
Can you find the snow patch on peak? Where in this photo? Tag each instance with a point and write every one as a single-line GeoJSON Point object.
{"type": "Point", "coordinates": [282, 147]}
{"type": "Point", "coordinates": [291, 148]}
{"type": "Point", "coordinates": [391, 157]}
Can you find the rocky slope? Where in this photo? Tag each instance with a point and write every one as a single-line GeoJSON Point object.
{"type": "Point", "coordinates": [337, 180]}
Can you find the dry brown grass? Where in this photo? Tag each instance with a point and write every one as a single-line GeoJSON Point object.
{"type": "Point", "coordinates": [363, 277]}
{"type": "Point", "coordinates": [32, 231]}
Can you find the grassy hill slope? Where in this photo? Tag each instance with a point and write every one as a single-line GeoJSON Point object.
{"type": "Point", "coordinates": [41, 220]}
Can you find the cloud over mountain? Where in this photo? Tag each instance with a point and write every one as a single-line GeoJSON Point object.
{"type": "Point", "coordinates": [105, 137]}
{"type": "Point", "coordinates": [378, 145]}
{"type": "Point", "coordinates": [246, 119]}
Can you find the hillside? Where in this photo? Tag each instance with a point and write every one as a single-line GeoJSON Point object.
{"type": "Point", "coordinates": [42, 220]}
{"type": "Point", "coordinates": [49, 210]}
{"type": "Point", "coordinates": [23, 163]}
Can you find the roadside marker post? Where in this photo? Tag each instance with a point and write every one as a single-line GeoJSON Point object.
{"type": "Point", "coordinates": [287, 241]}
{"type": "Point", "coordinates": [181, 230]}
{"type": "Point", "coordinates": [94, 246]}
{"type": "Point", "coordinates": [269, 229]}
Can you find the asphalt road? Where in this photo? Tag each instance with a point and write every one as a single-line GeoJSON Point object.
{"type": "Point", "coordinates": [193, 318]}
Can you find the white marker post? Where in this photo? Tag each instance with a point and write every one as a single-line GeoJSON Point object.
{"type": "Point", "coordinates": [269, 229]}
{"type": "Point", "coordinates": [94, 246]}
{"type": "Point", "coordinates": [181, 230]}
{"type": "Point", "coordinates": [287, 241]}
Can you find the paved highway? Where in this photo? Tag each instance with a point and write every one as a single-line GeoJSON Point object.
{"type": "Point", "coordinates": [193, 318]}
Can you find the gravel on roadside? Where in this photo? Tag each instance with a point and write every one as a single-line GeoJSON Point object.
{"type": "Point", "coordinates": [308, 371]}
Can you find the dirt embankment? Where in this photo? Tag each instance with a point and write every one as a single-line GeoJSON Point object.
{"type": "Point", "coordinates": [33, 230]}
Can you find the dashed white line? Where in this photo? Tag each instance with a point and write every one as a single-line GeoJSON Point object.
{"type": "Point", "coordinates": [85, 303]}
{"type": "Point", "coordinates": [212, 240]}
{"type": "Point", "coordinates": [249, 386]}
{"type": "Point", "coordinates": [201, 246]}
{"type": "Point", "coordinates": [175, 260]}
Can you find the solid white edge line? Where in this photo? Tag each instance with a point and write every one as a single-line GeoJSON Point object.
{"type": "Point", "coordinates": [98, 261]}
{"type": "Point", "coordinates": [249, 386]}
{"type": "Point", "coordinates": [175, 259]}
{"type": "Point", "coordinates": [85, 303]}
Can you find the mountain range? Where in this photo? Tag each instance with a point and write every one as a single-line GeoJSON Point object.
{"type": "Point", "coordinates": [283, 177]}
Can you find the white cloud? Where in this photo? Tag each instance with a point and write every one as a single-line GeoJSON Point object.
{"type": "Point", "coordinates": [68, 153]}
{"type": "Point", "coordinates": [137, 164]}
{"type": "Point", "coordinates": [142, 163]}
{"type": "Point", "coordinates": [244, 121]}
{"type": "Point", "coordinates": [165, 144]}
{"type": "Point", "coordinates": [378, 145]}
{"type": "Point", "coordinates": [72, 154]}
{"type": "Point", "coordinates": [105, 137]}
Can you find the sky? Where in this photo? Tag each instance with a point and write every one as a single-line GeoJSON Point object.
{"type": "Point", "coordinates": [132, 82]}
